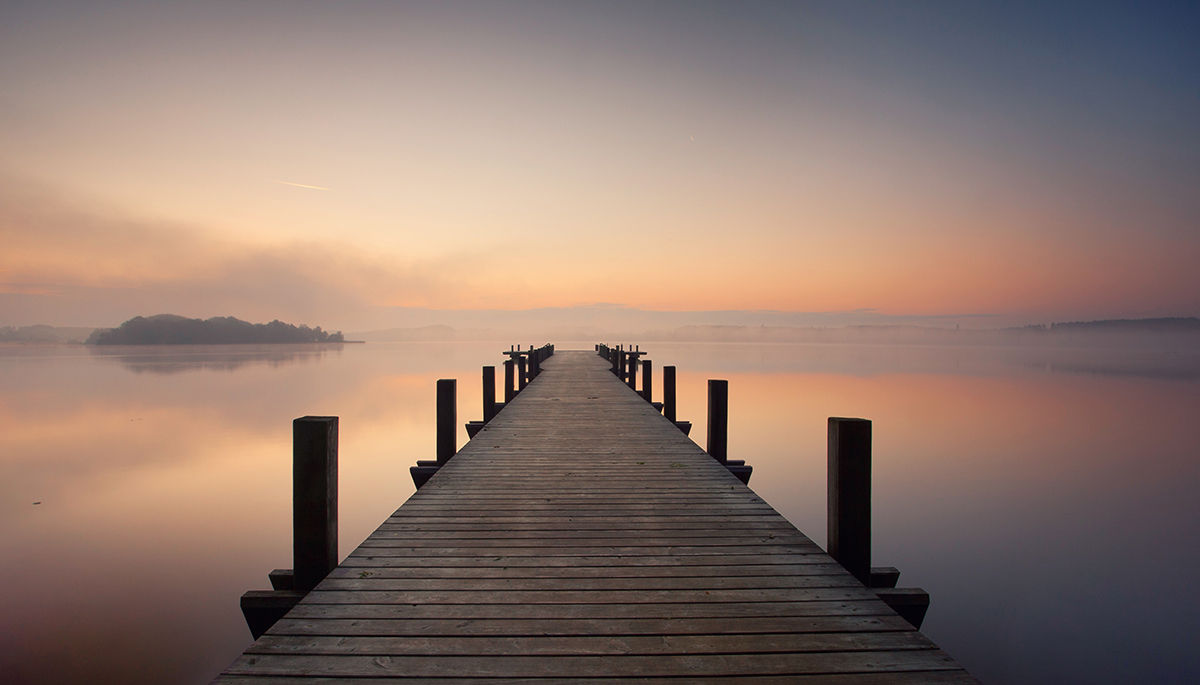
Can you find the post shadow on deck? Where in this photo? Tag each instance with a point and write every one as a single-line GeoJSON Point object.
{"type": "Point", "coordinates": [849, 518]}
{"type": "Point", "coordinates": [314, 524]}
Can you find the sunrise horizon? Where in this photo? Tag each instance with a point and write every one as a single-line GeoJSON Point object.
{"type": "Point", "coordinates": [329, 164]}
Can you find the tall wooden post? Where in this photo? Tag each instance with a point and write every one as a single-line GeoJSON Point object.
{"type": "Point", "coordinates": [447, 418]}
{"type": "Point", "coordinates": [669, 392]}
{"type": "Point", "coordinates": [521, 379]}
{"type": "Point", "coordinates": [718, 420]}
{"type": "Point", "coordinates": [647, 379]}
{"type": "Point", "coordinates": [849, 524]}
{"type": "Point", "coordinates": [314, 499]}
{"type": "Point", "coordinates": [633, 367]}
{"type": "Point", "coordinates": [489, 393]}
{"type": "Point", "coordinates": [508, 380]}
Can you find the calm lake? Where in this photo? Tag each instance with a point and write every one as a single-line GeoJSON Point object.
{"type": "Point", "coordinates": [1046, 498]}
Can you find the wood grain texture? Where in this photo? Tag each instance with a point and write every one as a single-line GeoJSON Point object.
{"type": "Point", "coordinates": [581, 537]}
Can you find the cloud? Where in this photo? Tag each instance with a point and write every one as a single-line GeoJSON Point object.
{"type": "Point", "coordinates": [301, 185]}
{"type": "Point", "coordinates": [67, 262]}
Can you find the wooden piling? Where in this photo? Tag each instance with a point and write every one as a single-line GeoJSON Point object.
{"type": "Point", "coordinates": [447, 418]}
{"type": "Point", "coordinates": [314, 499]}
{"type": "Point", "coordinates": [718, 419]}
{"type": "Point", "coordinates": [631, 379]}
{"type": "Point", "coordinates": [521, 378]}
{"type": "Point", "coordinates": [489, 393]}
{"type": "Point", "coordinates": [508, 380]}
{"type": "Point", "coordinates": [647, 380]}
{"type": "Point", "coordinates": [849, 494]}
{"type": "Point", "coordinates": [669, 393]}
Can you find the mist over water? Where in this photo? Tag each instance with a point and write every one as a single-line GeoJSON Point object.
{"type": "Point", "coordinates": [1041, 494]}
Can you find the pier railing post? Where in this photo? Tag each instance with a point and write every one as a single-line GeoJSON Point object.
{"type": "Point", "coordinates": [489, 393]}
{"type": "Point", "coordinates": [314, 499]}
{"type": "Point", "coordinates": [669, 392]}
{"type": "Point", "coordinates": [718, 419]}
{"type": "Point", "coordinates": [849, 524]}
{"type": "Point", "coordinates": [647, 379]}
{"type": "Point", "coordinates": [447, 418]}
{"type": "Point", "coordinates": [508, 380]}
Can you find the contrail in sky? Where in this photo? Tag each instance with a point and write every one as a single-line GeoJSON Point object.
{"type": "Point", "coordinates": [301, 185]}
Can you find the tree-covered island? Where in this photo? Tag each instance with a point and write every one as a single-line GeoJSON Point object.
{"type": "Point", "coordinates": [169, 329]}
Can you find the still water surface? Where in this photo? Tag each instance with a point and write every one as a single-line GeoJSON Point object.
{"type": "Point", "coordinates": [1047, 499]}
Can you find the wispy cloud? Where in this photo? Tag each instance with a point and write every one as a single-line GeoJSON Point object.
{"type": "Point", "coordinates": [68, 261]}
{"type": "Point", "coordinates": [301, 185]}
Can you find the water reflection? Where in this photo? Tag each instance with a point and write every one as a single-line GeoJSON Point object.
{"type": "Point", "coordinates": [169, 359]}
{"type": "Point", "coordinates": [1163, 360]}
{"type": "Point", "coordinates": [1045, 504]}
{"type": "Point", "coordinates": [162, 496]}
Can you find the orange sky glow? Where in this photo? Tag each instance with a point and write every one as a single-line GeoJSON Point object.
{"type": "Point", "coordinates": [332, 162]}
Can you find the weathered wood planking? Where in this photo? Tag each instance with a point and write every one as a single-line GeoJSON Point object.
{"type": "Point", "coordinates": [581, 536]}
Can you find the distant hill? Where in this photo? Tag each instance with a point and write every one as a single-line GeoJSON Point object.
{"type": "Point", "coordinates": [169, 329]}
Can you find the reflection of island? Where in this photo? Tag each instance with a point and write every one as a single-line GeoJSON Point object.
{"type": "Point", "coordinates": [181, 358]}
{"type": "Point", "coordinates": [169, 329]}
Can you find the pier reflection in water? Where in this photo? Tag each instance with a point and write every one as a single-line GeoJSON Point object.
{"type": "Point", "coordinates": [1044, 498]}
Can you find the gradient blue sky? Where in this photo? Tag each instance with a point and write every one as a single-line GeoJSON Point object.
{"type": "Point", "coordinates": [1031, 161]}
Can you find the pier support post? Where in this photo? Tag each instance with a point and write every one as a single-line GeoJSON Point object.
{"type": "Point", "coordinates": [489, 393]}
{"type": "Point", "coordinates": [447, 418]}
{"type": "Point", "coordinates": [521, 378]}
{"type": "Point", "coordinates": [849, 482]}
{"type": "Point", "coordinates": [647, 380]}
{"type": "Point", "coordinates": [631, 380]}
{"type": "Point", "coordinates": [718, 419]}
{"type": "Point", "coordinates": [669, 393]}
{"type": "Point", "coordinates": [314, 499]}
{"type": "Point", "coordinates": [508, 380]}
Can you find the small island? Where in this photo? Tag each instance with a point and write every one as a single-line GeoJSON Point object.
{"type": "Point", "coordinates": [169, 329]}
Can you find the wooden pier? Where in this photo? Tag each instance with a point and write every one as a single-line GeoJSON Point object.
{"type": "Point", "coordinates": [581, 536]}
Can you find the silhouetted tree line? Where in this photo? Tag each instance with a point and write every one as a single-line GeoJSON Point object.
{"type": "Point", "coordinates": [168, 329]}
{"type": "Point", "coordinates": [1176, 324]}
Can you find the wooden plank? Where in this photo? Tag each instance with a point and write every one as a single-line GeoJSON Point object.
{"type": "Point", "coordinates": [728, 610]}
{"type": "Point", "coordinates": [577, 597]}
{"type": "Point", "coordinates": [588, 572]}
{"type": "Point", "coordinates": [948, 677]}
{"type": "Point", "coordinates": [367, 560]}
{"type": "Point", "coordinates": [764, 643]}
{"type": "Point", "coordinates": [433, 627]}
{"type": "Point", "coordinates": [581, 537]}
{"type": "Point", "coordinates": [590, 584]}
{"type": "Point", "coordinates": [513, 665]}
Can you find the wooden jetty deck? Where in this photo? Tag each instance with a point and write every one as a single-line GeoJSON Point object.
{"type": "Point", "coordinates": [580, 536]}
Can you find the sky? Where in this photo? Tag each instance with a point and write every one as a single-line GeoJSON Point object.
{"type": "Point", "coordinates": [342, 163]}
